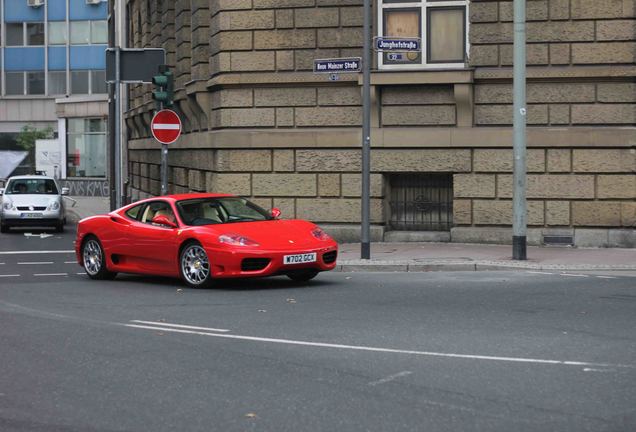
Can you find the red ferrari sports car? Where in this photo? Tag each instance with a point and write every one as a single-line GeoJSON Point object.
{"type": "Point", "coordinates": [202, 237]}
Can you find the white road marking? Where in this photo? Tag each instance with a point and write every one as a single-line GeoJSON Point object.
{"type": "Point", "coordinates": [164, 324]}
{"type": "Point", "coordinates": [8, 276]}
{"type": "Point", "coordinates": [606, 277]}
{"type": "Point", "coordinates": [37, 252]}
{"type": "Point", "coordinates": [390, 378]}
{"type": "Point", "coordinates": [573, 275]}
{"type": "Point", "coordinates": [70, 262]}
{"type": "Point", "coordinates": [385, 350]}
{"type": "Point", "coordinates": [598, 370]}
{"type": "Point", "coordinates": [538, 272]}
{"type": "Point", "coordinates": [50, 274]}
{"type": "Point", "coordinates": [82, 273]}
{"type": "Point", "coordinates": [35, 263]}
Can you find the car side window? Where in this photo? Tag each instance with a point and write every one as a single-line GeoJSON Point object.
{"type": "Point", "coordinates": [133, 213]}
{"type": "Point", "coordinates": [157, 208]}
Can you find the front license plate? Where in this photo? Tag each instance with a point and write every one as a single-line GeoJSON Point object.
{"type": "Point", "coordinates": [300, 258]}
{"type": "Point", "coordinates": [31, 215]}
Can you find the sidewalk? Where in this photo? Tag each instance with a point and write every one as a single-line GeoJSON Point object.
{"type": "Point", "coordinates": [422, 257]}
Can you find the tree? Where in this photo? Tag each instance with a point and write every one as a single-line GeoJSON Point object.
{"type": "Point", "coordinates": [29, 134]}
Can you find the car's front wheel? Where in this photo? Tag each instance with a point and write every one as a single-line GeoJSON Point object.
{"type": "Point", "coordinates": [4, 228]}
{"type": "Point", "coordinates": [59, 227]}
{"type": "Point", "coordinates": [195, 266]}
{"type": "Point", "coordinates": [302, 275]}
{"type": "Point", "coordinates": [94, 260]}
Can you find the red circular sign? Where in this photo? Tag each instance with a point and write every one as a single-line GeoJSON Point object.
{"type": "Point", "coordinates": [166, 126]}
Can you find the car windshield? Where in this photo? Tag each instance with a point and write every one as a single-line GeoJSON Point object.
{"type": "Point", "coordinates": [31, 187]}
{"type": "Point", "coordinates": [210, 211]}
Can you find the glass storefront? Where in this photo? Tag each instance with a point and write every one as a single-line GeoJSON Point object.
{"type": "Point", "coordinates": [86, 148]}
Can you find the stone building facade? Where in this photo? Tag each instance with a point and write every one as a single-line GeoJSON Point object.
{"type": "Point", "coordinates": [259, 123]}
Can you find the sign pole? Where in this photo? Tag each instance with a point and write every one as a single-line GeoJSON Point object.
{"type": "Point", "coordinates": [164, 169]}
{"type": "Point", "coordinates": [519, 224]}
{"type": "Point", "coordinates": [365, 249]}
{"type": "Point", "coordinates": [117, 153]}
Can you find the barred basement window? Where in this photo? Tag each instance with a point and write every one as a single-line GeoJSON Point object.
{"type": "Point", "coordinates": [421, 202]}
{"type": "Point", "coordinates": [442, 26]}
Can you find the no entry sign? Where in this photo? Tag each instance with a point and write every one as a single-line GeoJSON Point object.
{"type": "Point", "coordinates": [166, 126]}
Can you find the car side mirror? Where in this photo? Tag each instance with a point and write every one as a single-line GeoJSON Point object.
{"type": "Point", "coordinates": [1, 191]}
{"type": "Point", "coordinates": [65, 191]}
{"type": "Point", "coordinates": [276, 212]}
{"type": "Point", "coordinates": [163, 220]}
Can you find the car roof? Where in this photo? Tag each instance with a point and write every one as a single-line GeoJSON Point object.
{"type": "Point", "coordinates": [27, 177]}
{"type": "Point", "coordinates": [186, 196]}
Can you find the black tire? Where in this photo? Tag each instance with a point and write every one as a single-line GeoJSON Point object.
{"type": "Point", "coordinates": [194, 266]}
{"type": "Point", "coordinates": [4, 228]}
{"type": "Point", "coordinates": [303, 275]}
{"type": "Point", "coordinates": [59, 228]}
{"type": "Point", "coordinates": [94, 259]}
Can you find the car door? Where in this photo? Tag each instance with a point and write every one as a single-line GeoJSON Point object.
{"type": "Point", "coordinates": [155, 247]}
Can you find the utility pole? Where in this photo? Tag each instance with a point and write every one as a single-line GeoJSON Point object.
{"type": "Point", "coordinates": [365, 252]}
{"type": "Point", "coordinates": [519, 224]}
{"type": "Point", "coordinates": [112, 160]}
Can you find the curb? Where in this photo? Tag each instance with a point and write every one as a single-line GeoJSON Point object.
{"type": "Point", "coordinates": [420, 267]}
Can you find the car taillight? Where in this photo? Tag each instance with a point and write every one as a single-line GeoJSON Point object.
{"type": "Point", "coordinates": [236, 240]}
{"type": "Point", "coordinates": [320, 234]}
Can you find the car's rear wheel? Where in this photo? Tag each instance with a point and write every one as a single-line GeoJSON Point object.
{"type": "Point", "coordinates": [94, 260]}
{"type": "Point", "coordinates": [195, 266]}
{"type": "Point", "coordinates": [303, 275]}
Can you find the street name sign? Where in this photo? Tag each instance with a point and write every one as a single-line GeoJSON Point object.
{"type": "Point", "coordinates": [338, 65]}
{"type": "Point", "coordinates": [166, 126]}
{"type": "Point", "coordinates": [384, 44]}
{"type": "Point", "coordinates": [136, 65]}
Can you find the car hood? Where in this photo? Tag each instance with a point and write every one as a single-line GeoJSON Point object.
{"type": "Point", "coordinates": [31, 200]}
{"type": "Point", "coordinates": [273, 234]}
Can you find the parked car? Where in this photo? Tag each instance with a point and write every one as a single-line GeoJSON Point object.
{"type": "Point", "coordinates": [200, 238]}
{"type": "Point", "coordinates": [32, 200]}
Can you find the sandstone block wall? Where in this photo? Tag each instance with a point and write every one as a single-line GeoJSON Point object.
{"type": "Point", "coordinates": [260, 124]}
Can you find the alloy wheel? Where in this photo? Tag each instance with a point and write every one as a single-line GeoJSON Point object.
{"type": "Point", "coordinates": [195, 265]}
{"type": "Point", "coordinates": [92, 257]}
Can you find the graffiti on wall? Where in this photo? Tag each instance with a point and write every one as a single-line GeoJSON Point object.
{"type": "Point", "coordinates": [88, 188]}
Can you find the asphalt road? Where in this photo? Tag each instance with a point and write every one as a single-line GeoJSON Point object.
{"type": "Point", "coordinates": [463, 351]}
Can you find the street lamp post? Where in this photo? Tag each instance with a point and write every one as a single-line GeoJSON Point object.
{"type": "Point", "coordinates": [365, 250]}
{"type": "Point", "coordinates": [519, 225]}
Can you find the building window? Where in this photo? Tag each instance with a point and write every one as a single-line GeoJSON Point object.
{"type": "Point", "coordinates": [79, 82]}
{"type": "Point", "coordinates": [421, 202]}
{"type": "Point", "coordinates": [86, 148]}
{"type": "Point", "coordinates": [57, 82]}
{"type": "Point", "coordinates": [35, 83]}
{"type": "Point", "coordinates": [35, 34]}
{"type": "Point", "coordinates": [442, 26]}
{"type": "Point", "coordinates": [80, 32]}
{"type": "Point", "coordinates": [57, 33]}
{"type": "Point", "coordinates": [98, 82]}
{"type": "Point", "coordinates": [89, 32]}
{"type": "Point", "coordinates": [99, 32]}
{"type": "Point", "coordinates": [15, 34]}
{"type": "Point", "coordinates": [14, 83]}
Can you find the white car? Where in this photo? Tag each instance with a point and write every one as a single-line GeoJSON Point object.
{"type": "Point", "coordinates": [32, 200]}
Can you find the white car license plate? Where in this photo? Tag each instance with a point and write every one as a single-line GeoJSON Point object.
{"type": "Point", "coordinates": [31, 215]}
{"type": "Point", "coordinates": [300, 258]}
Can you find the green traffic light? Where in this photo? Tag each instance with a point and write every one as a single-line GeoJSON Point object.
{"type": "Point", "coordinates": [164, 92]}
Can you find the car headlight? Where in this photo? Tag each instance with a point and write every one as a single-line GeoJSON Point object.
{"type": "Point", "coordinates": [236, 240]}
{"type": "Point", "coordinates": [54, 205]}
{"type": "Point", "coordinates": [320, 234]}
{"type": "Point", "coordinates": [7, 205]}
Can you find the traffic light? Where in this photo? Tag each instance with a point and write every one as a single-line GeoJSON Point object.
{"type": "Point", "coordinates": [164, 87]}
